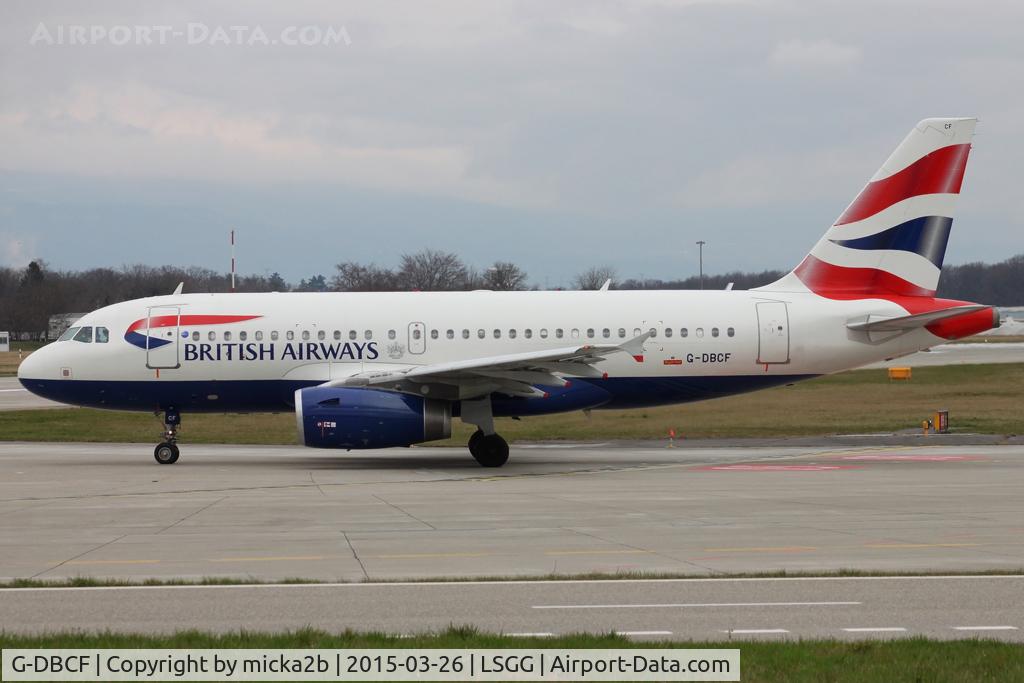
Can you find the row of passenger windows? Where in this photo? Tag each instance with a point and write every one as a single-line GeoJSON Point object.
{"type": "Point", "coordinates": [496, 333]}
{"type": "Point", "coordinates": [85, 335]}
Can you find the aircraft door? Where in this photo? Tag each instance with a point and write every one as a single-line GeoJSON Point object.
{"type": "Point", "coordinates": [773, 332]}
{"type": "Point", "coordinates": [417, 337]}
{"type": "Point", "coordinates": [162, 324]}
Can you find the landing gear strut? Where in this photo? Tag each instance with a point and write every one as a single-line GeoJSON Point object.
{"type": "Point", "coordinates": [166, 452]}
{"type": "Point", "coordinates": [489, 449]}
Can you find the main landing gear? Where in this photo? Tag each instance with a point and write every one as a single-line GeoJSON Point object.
{"type": "Point", "coordinates": [489, 449]}
{"type": "Point", "coordinates": [166, 452]}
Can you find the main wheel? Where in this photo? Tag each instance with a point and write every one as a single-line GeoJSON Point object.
{"type": "Point", "coordinates": [166, 453]}
{"type": "Point", "coordinates": [491, 450]}
{"type": "Point", "coordinates": [474, 442]}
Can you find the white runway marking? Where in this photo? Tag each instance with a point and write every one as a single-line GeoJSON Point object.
{"type": "Point", "coordinates": [542, 634]}
{"type": "Point", "coordinates": [751, 631]}
{"type": "Point", "coordinates": [876, 629]}
{"type": "Point", "coordinates": [701, 604]}
{"type": "Point", "coordinates": [984, 628]}
{"type": "Point", "coordinates": [643, 633]}
{"type": "Point", "coordinates": [4, 390]}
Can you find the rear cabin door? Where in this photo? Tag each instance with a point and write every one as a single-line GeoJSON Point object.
{"type": "Point", "coordinates": [417, 337]}
{"type": "Point", "coordinates": [773, 332]}
{"type": "Point", "coordinates": [162, 337]}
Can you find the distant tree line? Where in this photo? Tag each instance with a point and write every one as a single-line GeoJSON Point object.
{"type": "Point", "coordinates": [29, 296]}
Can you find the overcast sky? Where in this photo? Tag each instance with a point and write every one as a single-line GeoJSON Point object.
{"type": "Point", "coordinates": [556, 134]}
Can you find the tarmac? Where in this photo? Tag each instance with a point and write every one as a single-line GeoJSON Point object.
{"type": "Point", "coordinates": [272, 513]}
{"type": "Point", "coordinates": [701, 609]}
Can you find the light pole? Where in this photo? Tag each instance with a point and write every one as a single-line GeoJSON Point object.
{"type": "Point", "coordinates": [700, 246]}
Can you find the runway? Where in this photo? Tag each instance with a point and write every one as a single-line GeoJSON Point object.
{"type": "Point", "coordinates": [13, 396]}
{"type": "Point", "coordinates": [271, 513]}
{"type": "Point", "coordinates": [960, 354]}
{"type": "Point", "coordinates": [709, 609]}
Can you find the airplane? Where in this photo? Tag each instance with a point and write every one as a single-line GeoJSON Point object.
{"type": "Point", "coordinates": [386, 369]}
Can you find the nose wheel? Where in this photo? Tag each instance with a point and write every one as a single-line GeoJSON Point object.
{"type": "Point", "coordinates": [166, 452]}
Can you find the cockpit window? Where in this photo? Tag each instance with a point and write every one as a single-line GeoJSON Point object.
{"type": "Point", "coordinates": [68, 333]}
{"type": "Point", "coordinates": [102, 335]}
{"type": "Point", "coordinates": [84, 335]}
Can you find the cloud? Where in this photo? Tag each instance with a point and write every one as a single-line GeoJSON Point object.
{"type": "Point", "coordinates": [814, 55]}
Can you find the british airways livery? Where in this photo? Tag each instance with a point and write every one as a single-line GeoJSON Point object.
{"type": "Point", "coordinates": [375, 370]}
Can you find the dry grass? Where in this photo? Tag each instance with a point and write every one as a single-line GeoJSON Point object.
{"type": "Point", "coordinates": [980, 398]}
{"type": "Point", "coordinates": [9, 362]}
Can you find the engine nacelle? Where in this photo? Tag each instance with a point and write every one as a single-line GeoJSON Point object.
{"type": "Point", "coordinates": [368, 418]}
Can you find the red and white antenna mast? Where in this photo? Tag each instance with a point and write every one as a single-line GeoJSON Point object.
{"type": "Point", "coordinates": [232, 260]}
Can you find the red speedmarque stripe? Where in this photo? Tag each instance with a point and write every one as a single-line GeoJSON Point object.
{"type": "Point", "coordinates": [171, 320]}
{"type": "Point", "coordinates": [940, 172]}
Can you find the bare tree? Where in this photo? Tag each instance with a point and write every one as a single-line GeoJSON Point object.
{"type": "Point", "coordinates": [355, 277]}
{"type": "Point", "coordinates": [594, 277]}
{"type": "Point", "coordinates": [431, 270]}
{"type": "Point", "coordinates": [504, 276]}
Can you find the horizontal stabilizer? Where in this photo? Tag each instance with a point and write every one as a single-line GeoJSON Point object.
{"type": "Point", "coordinates": [910, 322]}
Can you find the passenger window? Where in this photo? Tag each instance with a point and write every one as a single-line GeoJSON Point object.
{"type": "Point", "coordinates": [195, 336]}
{"type": "Point", "coordinates": [84, 335]}
{"type": "Point", "coordinates": [368, 334]}
{"type": "Point", "coordinates": [416, 334]}
{"type": "Point", "coordinates": [512, 334]}
{"type": "Point", "coordinates": [242, 335]}
{"type": "Point", "coordinates": [668, 331]}
{"type": "Point", "coordinates": [590, 333]}
{"type": "Point", "coordinates": [575, 333]}
{"type": "Point", "coordinates": [528, 333]}
{"type": "Point", "coordinates": [699, 332]}
{"type": "Point", "coordinates": [305, 335]}
{"type": "Point", "coordinates": [481, 334]}
{"type": "Point", "coordinates": [337, 335]}
{"type": "Point", "coordinates": [606, 333]}
{"type": "Point", "coordinates": [684, 332]}
{"type": "Point", "coordinates": [391, 334]}
{"type": "Point", "coordinates": [622, 333]}
{"type": "Point", "coordinates": [654, 332]}
{"type": "Point", "coordinates": [352, 334]}
{"type": "Point", "coordinates": [273, 335]}
{"type": "Point", "coordinates": [289, 335]}
{"type": "Point", "coordinates": [465, 334]}
{"type": "Point", "coordinates": [69, 334]}
{"type": "Point", "coordinates": [497, 333]}
{"type": "Point", "coordinates": [543, 333]}
{"type": "Point", "coordinates": [211, 336]}
{"type": "Point", "coordinates": [259, 335]}
{"type": "Point", "coordinates": [731, 332]}
{"type": "Point", "coordinates": [714, 331]}
{"type": "Point", "coordinates": [558, 332]}
{"type": "Point", "coordinates": [433, 334]}
{"type": "Point", "coordinates": [321, 335]}
{"type": "Point", "coordinates": [636, 331]}
{"type": "Point", "coordinates": [450, 334]}
{"type": "Point", "coordinates": [102, 335]}
{"type": "Point", "coordinates": [227, 336]}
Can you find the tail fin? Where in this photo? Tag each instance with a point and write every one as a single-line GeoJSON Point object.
{"type": "Point", "coordinates": [891, 239]}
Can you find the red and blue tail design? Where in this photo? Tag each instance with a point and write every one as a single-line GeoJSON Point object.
{"type": "Point", "coordinates": [891, 240]}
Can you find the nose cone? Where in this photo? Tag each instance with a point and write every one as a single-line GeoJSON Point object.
{"type": "Point", "coordinates": [38, 365]}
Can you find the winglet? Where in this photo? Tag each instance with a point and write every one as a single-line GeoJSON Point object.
{"type": "Point", "coordinates": [177, 290]}
{"type": "Point", "coordinates": [635, 346]}
{"type": "Point", "coordinates": [606, 285]}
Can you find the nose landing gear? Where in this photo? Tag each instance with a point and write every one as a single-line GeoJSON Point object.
{"type": "Point", "coordinates": [166, 452]}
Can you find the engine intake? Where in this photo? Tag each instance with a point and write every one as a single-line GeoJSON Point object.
{"type": "Point", "coordinates": [339, 417]}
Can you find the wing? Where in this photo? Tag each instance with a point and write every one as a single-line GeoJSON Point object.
{"type": "Point", "coordinates": [516, 374]}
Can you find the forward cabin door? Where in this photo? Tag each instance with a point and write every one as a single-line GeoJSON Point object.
{"type": "Point", "coordinates": [773, 332]}
{"type": "Point", "coordinates": [417, 337]}
{"type": "Point", "coordinates": [162, 325]}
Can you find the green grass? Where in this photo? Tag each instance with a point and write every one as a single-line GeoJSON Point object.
{"type": "Point", "coordinates": [911, 659]}
{"type": "Point", "coordinates": [980, 398]}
